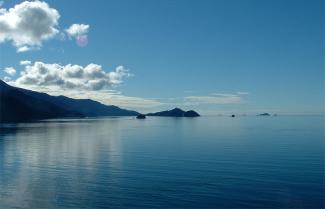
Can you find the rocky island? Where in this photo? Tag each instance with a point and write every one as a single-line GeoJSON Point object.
{"type": "Point", "coordinates": [141, 116]}
{"type": "Point", "coordinates": [176, 112]}
{"type": "Point", "coordinates": [264, 114]}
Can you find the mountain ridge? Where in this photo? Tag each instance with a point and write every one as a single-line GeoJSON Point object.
{"type": "Point", "coordinates": [18, 104]}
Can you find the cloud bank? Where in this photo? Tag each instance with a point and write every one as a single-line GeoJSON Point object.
{"type": "Point", "coordinates": [66, 77]}
{"type": "Point", "coordinates": [93, 82]}
{"type": "Point", "coordinates": [79, 82]}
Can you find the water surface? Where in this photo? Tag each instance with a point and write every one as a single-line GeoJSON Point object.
{"type": "Point", "coordinates": [206, 162]}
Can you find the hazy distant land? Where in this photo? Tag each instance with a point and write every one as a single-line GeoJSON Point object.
{"type": "Point", "coordinates": [19, 104]}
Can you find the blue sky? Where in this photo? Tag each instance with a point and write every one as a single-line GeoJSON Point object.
{"type": "Point", "coordinates": [218, 56]}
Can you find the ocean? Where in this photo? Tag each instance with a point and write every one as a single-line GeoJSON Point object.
{"type": "Point", "coordinates": [205, 162]}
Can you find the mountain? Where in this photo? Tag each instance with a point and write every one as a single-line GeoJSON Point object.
{"type": "Point", "coordinates": [176, 112]}
{"type": "Point", "coordinates": [17, 104]}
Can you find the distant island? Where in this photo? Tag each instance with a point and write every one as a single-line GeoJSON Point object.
{"type": "Point", "coordinates": [264, 114]}
{"type": "Point", "coordinates": [18, 105]}
{"type": "Point", "coordinates": [141, 116]}
{"type": "Point", "coordinates": [176, 112]}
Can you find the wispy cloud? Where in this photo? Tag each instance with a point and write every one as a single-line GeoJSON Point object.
{"type": "Point", "coordinates": [216, 98]}
{"type": "Point", "coordinates": [10, 71]}
{"type": "Point", "coordinates": [25, 62]}
{"type": "Point", "coordinates": [242, 93]}
{"type": "Point", "coordinates": [7, 79]}
{"type": "Point", "coordinates": [108, 97]}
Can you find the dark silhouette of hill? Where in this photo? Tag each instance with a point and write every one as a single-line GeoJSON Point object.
{"type": "Point", "coordinates": [176, 112]}
{"type": "Point", "coordinates": [17, 104]}
{"type": "Point", "coordinates": [141, 116]}
{"type": "Point", "coordinates": [264, 114]}
{"type": "Point", "coordinates": [191, 113]}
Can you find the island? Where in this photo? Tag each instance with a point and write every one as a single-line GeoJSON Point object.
{"type": "Point", "coordinates": [264, 114]}
{"type": "Point", "coordinates": [141, 116]}
{"type": "Point", "coordinates": [176, 112]}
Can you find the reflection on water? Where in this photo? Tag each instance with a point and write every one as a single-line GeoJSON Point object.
{"type": "Point", "coordinates": [207, 162]}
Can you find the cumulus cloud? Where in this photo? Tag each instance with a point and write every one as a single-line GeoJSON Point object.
{"type": "Point", "coordinates": [76, 30]}
{"type": "Point", "coordinates": [79, 32]}
{"type": "Point", "coordinates": [90, 77]}
{"type": "Point", "coordinates": [25, 62]}
{"type": "Point", "coordinates": [10, 71]}
{"type": "Point", "coordinates": [80, 82]}
{"type": "Point", "coordinates": [93, 82]}
{"type": "Point", "coordinates": [28, 24]}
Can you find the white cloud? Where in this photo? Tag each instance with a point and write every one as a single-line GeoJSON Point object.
{"type": "Point", "coordinates": [242, 93]}
{"type": "Point", "coordinates": [90, 77]}
{"type": "Point", "coordinates": [10, 71]}
{"type": "Point", "coordinates": [93, 82]}
{"type": "Point", "coordinates": [114, 98]}
{"type": "Point", "coordinates": [79, 32]}
{"type": "Point", "coordinates": [213, 99]}
{"type": "Point", "coordinates": [23, 49]}
{"type": "Point", "coordinates": [75, 81]}
{"type": "Point", "coordinates": [223, 95]}
{"type": "Point", "coordinates": [216, 98]}
{"type": "Point", "coordinates": [7, 79]}
{"type": "Point", "coordinates": [76, 30]}
{"type": "Point", "coordinates": [108, 97]}
{"type": "Point", "coordinates": [28, 24]}
{"type": "Point", "coordinates": [61, 36]}
{"type": "Point", "coordinates": [25, 62]}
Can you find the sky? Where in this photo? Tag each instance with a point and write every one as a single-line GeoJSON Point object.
{"type": "Point", "coordinates": [213, 56]}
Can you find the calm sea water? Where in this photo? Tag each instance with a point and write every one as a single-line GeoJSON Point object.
{"type": "Point", "coordinates": [206, 162]}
